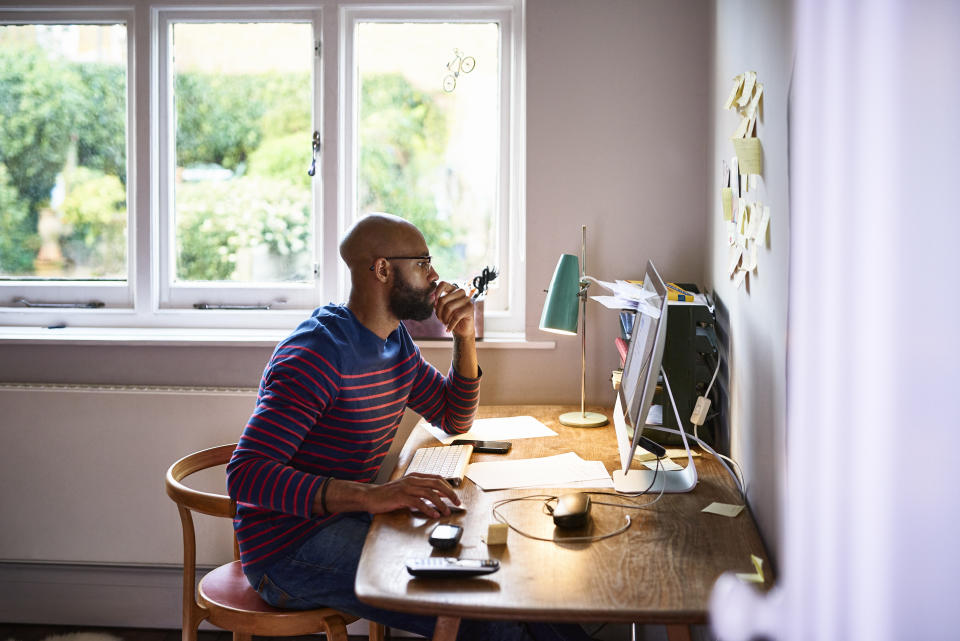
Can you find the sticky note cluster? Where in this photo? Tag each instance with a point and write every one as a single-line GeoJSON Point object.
{"type": "Point", "coordinates": [745, 215]}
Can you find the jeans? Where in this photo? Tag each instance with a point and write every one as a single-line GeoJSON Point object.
{"type": "Point", "coordinates": [321, 573]}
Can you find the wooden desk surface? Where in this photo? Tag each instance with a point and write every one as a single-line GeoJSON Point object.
{"type": "Point", "coordinates": [660, 571]}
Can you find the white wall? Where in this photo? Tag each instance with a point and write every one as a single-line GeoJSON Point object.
{"type": "Point", "coordinates": [755, 36]}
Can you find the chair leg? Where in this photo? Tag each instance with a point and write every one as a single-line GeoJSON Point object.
{"type": "Point", "coordinates": [376, 631]}
{"type": "Point", "coordinates": [336, 629]}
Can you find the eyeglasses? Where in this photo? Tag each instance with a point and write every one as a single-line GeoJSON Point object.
{"type": "Point", "coordinates": [424, 263]}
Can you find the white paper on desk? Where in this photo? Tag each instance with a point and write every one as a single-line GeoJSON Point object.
{"type": "Point", "coordinates": [494, 429]}
{"type": "Point", "coordinates": [615, 302]}
{"type": "Point", "coordinates": [548, 471]}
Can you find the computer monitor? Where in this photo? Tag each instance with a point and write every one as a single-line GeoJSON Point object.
{"type": "Point", "coordinates": [638, 384]}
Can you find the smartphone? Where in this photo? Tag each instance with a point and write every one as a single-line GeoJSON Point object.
{"type": "Point", "coordinates": [445, 535]}
{"type": "Point", "coordinates": [492, 447]}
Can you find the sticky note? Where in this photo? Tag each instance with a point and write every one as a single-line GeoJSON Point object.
{"type": "Point", "coordinates": [749, 80]}
{"type": "Point", "coordinates": [741, 129]}
{"type": "Point", "coordinates": [761, 234]}
{"type": "Point", "coordinates": [723, 509]}
{"type": "Point", "coordinates": [726, 197]}
{"type": "Point", "coordinates": [749, 155]}
{"type": "Point", "coordinates": [497, 534]}
{"type": "Point", "coordinates": [734, 92]}
{"type": "Point", "coordinates": [731, 233]}
{"type": "Point", "coordinates": [753, 109]}
{"type": "Point", "coordinates": [757, 576]}
{"type": "Point", "coordinates": [733, 259]}
{"type": "Point", "coordinates": [666, 465]}
{"type": "Point", "coordinates": [753, 181]}
{"type": "Point", "coordinates": [739, 278]}
{"type": "Point", "coordinates": [750, 262]}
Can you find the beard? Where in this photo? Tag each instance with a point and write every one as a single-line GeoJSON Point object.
{"type": "Point", "coordinates": [409, 303]}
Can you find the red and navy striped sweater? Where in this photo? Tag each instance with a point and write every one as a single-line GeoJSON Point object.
{"type": "Point", "coordinates": [329, 404]}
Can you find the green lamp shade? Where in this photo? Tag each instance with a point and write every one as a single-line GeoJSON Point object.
{"type": "Point", "coordinates": [561, 309]}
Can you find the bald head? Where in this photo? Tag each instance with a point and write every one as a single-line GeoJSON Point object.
{"type": "Point", "coordinates": [380, 235]}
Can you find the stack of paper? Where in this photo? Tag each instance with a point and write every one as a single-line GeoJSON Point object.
{"type": "Point", "coordinates": [494, 429]}
{"type": "Point", "coordinates": [628, 296]}
{"type": "Point", "coordinates": [561, 470]}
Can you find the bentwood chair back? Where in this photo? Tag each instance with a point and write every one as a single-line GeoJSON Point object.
{"type": "Point", "coordinates": [224, 597]}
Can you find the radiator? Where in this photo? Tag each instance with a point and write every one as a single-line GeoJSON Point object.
{"type": "Point", "coordinates": [83, 471]}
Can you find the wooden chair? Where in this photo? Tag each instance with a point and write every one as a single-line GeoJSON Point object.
{"type": "Point", "coordinates": [224, 596]}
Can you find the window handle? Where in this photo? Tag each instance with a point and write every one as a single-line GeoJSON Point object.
{"type": "Point", "coordinates": [315, 145]}
{"type": "Point", "coordinates": [215, 306]}
{"type": "Point", "coordinates": [94, 304]}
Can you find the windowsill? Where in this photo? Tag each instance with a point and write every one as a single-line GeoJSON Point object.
{"type": "Point", "coordinates": [200, 337]}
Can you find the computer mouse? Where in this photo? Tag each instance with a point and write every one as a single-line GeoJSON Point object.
{"type": "Point", "coordinates": [572, 510]}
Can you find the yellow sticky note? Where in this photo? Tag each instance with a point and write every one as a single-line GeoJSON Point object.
{"type": "Point", "coordinates": [497, 534]}
{"type": "Point", "coordinates": [734, 92]}
{"type": "Point", "coordinates": [726, 197]}
{"type": "Point", "coordinates": [742, 128]}
{"type": "Point", "coordinates": [749, 80]}
{"type": "Point", "coordinates": [753, 109]}
{"type": "Point", "coordinates": [749, 155]}
{"type": "Point", "coordinates": [757, 576]}
{"type": "Point", "coordinates": [723, 509]}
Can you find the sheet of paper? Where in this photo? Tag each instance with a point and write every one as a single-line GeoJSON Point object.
{"type": "Point", "coordinates": [752, 256]}
{"type": "Point", "coordinates": [735, 175]}
{"type": "Point", "coordinates": [731, 233]}
{"type": "Point", "coordinates": [757, 576]}
{"type": "Point", "coordinates": [615, 302]}
{"type": "Point", "coordinates": [494, 429]}
{"type": "Point", "coordinates": [749, 155]}
{"type": "Point", "coordinates": [666, 465]}
{"type": "Point", "coordinates": [548, 471]}
{"type": "Point", "coordinates": [726, 199]}
{"type": "Point", "coordinates": [734, 92]}
{"type": "Point", "coordinates": [723, 509]}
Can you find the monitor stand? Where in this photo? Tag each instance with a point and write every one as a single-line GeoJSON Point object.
{"type": "Point", "coordinates": [635, 481]}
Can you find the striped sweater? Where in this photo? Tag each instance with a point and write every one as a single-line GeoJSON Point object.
{"type": "Point", "coordinates": [329, 404]}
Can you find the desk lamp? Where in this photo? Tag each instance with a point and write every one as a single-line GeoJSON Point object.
{"type": "Point", "coordinates": [566, 297]}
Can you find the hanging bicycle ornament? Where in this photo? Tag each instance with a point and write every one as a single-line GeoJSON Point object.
{"type": "Point", "coordinates": [459, 64]}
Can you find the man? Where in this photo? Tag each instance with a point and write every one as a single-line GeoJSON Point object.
{"type": "Point", "coordinates": [328, 407]}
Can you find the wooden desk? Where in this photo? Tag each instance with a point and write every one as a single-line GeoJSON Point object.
{"type": "Point", "coordinates": [660, 571]}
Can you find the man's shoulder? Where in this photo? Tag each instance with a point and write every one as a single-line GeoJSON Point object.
{"type": "Point", "coordinates": [326, 332]}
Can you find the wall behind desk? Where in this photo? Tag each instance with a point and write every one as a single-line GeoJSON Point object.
{"type": "Point", "coordinates": [755, 36]}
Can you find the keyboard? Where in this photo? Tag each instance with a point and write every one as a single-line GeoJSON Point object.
{"type": "Point", "coordinates": [446, 461]}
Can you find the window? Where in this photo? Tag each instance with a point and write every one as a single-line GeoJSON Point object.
{"type": "Point", "coordinates": [411, 109]}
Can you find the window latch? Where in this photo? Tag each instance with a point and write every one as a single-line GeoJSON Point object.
{"type": "Point", "coordinates": [315, 145]}
{"type": "Point", "coordinates": [94, 304]}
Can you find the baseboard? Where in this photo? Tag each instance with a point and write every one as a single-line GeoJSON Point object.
{"type": "Point", "coordinates": [97, 595]}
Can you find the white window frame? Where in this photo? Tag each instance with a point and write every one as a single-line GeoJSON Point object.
{"type": "Point", "coordinates": [144, 300]}
{"type": "Point", "coordinates": [510, 241]}
{"type": "Point", "coordinates": [112, 294]}
{"type": "Point", "coordinates": [302, 296]}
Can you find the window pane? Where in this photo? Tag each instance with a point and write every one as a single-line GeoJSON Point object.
{"type": "Point", "coordinates": [63, 130]}
{"type": "Point", "coordinates": [429, 135]}
{"type": "Point", "coordinates": [242, 194]}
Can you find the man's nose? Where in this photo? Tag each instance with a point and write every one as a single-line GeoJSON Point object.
{"type": "Point", "coordinates": [433, 275]}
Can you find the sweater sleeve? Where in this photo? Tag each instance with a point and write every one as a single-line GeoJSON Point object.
{"type": "Point", "coordinates": [298, 385]}
{"type": "Point", "coordinates": [448, 402]}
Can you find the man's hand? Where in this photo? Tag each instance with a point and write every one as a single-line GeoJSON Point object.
{"type": "Point", "coordinates": [419, 492]}
{"type": "Point", "coordinates": [455, 310]}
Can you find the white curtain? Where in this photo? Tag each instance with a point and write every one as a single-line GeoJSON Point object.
{"type": "Point", "coordinates": [872, 504]}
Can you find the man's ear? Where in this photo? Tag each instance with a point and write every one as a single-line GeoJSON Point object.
{"type": "Point", "coordinates": [381, 270]}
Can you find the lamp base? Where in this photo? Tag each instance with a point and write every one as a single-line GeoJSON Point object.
{"type": "Point", "coordinates": [583, 419]}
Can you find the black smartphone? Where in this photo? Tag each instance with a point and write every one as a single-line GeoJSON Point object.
{"type": "Point", "coordinates": [492, 447]}
{"type": "Point", "coordinates": [445, 535]}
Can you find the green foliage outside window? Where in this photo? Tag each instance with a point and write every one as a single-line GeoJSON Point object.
{"type": "Point", "coordinates": [258, 126]}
